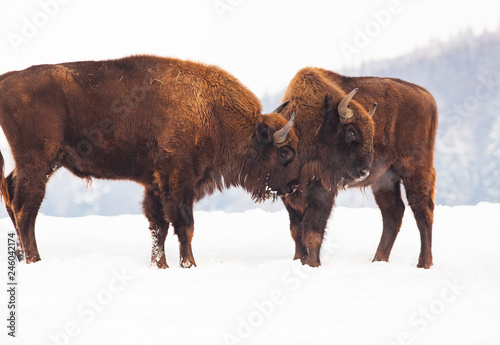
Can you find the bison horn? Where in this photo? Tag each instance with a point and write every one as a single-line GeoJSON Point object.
{"type": "Point", "coordinates": [372, 111]}
{"type": "Point", "coordinates": [280, 136]}
{"type": "Point", "coordinates": [345, 112]}
{"type": "Point", "coordinates": [281, 107]}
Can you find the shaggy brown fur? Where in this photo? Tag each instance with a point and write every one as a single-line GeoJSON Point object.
{"type": "Point", "coordinates": [181, 129]}
{"type": "Point", "coordinates": [403, 141]}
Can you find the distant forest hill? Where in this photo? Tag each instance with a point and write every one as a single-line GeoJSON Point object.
{"type": "Point", "coordinates": [463, 75]}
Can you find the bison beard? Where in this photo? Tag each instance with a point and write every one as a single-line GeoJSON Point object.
{"type": "Point", "coordinates": [180, 129]}
{"type": "Point", "coordinates": [403, 131]}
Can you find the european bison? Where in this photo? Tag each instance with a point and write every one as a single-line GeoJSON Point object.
{"type": "Point", "coordinates": [403, 142]}
{"type": "Point", "coordinates": [181, 129]}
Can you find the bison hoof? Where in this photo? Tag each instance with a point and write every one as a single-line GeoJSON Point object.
{"type": "Point", "coordinates": [162, 264]}
{"type": "Point", "coordinates": [185, 263]}
{"type": "Point", "coordinates": [302, 258]}
{"type": "Point", "coordinates": [32, 259]}
{"type": "Point", "coordinates": [424, 260]}
{"type": "Point", "coordinates": [378, 258]}
{"type": "Point", "coordinates": [158, 259]}
{"type": "Point", "coordinates": [425, 265]}
{"type": "Point", "coordinates": [313, 262]}
{"type": "Point", "coordinates": [381, 255]}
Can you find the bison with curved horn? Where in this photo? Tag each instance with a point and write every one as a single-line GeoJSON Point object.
{"type": "Point", "coordinates": [341, 145]}
{"type": "Point", "coordinates": [180, 129]}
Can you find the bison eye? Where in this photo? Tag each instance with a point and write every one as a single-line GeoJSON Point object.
{"type": "Point", "coordinates": [351, 136]}
{"type": "Point", "coordinates": [286, 154]}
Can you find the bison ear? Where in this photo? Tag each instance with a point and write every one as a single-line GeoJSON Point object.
{"type": "Point", "coordinates": [263, 134]}
{"type": "Point", "coordinates": [330, 111]}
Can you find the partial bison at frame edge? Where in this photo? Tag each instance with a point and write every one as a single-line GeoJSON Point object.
{"type": "Point", "coordinates": [181, 129]}
{"type": "Point", "coordinates": [335, 151]}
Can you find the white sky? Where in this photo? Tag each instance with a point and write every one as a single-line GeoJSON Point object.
{"type": "Point", "coordinates": [263, 43]}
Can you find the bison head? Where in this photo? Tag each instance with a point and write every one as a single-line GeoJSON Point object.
{"type": "Point", "coordinates": [347, 138]}
{"type": "Point", "coordinates": [272, 168]}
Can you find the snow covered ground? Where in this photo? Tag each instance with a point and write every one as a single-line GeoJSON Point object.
{"type": "Point", "coordinates": [94, 284]}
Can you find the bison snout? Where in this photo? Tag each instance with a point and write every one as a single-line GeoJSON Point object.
{"type": "Point", "coordinates": [363, 174]}
{"type": "Point", "coordinates": [359, 175]}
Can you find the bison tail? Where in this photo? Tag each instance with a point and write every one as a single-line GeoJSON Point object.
{"type": "Point", "coordinates": [4, 187]}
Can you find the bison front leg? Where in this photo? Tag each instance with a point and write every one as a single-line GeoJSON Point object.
{"type": "Point", "coordinates": [320, 203]}
{"type": "Point", "coordinates": [153, 210]}
{"type": "Point", "coordinates": [184, 228]}
{"type": "Point", "coordinates": [180, 214]}
{"type": "Point", "coordinates": [314, 225]}
{"type": "Point", "coordinates": [420, 195]}
{"type": "Point", "coordinates": [296, 218]}
{"type": "Point", "coordinates": [177, 195]}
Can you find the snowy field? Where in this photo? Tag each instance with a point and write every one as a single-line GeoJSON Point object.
{"type": "Point", "coordinates": [94, 284]}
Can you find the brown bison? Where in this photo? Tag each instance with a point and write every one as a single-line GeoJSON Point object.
{"type": "Point", "coordinates": [181, 129]}
{"type": "Point", "coordinates": [335, 151]}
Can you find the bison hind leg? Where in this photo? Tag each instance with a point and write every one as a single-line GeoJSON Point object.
{"type": "Point", "coordinates": [387, 192]}
{"type": "Point", "coordinates": [11, 185]}
{"type": "Point", "coordinates": [19, 248]}
{"type": "Point", "coordinates": [29, 194]}
{"type": "Point", "coordinates": [420, 194]}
